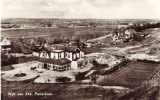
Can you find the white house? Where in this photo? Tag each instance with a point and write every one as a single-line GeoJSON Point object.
{"type": "Point", "coordinates": [49, 55]}
{"type": "Point", "coordinates": [5, 44]}
{"type": "Point", "coordinates": [128, 34]}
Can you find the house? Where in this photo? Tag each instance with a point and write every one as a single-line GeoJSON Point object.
{"type": "Point", "coordinates": [124, 35]}
{"type": "Point", "coordinates": [118, 35]}
{"type": "Point", "coordinates": [5, 45]}
{"type": "Point", "coordinates": [129, 33]}
{"type": "Point", "coordinates": [68, 52]}
{"type": "Point", "coordinates": [57, 57]}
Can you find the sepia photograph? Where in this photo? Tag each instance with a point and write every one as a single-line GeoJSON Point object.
{"type": "Point", "coordinates": [80, 49]}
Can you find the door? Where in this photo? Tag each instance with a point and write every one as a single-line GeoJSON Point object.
{"type": "Point", "coordinates": [45, 65]}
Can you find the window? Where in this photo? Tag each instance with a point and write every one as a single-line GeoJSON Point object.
{"type": "Point", "coordinates": [49, 66]}
{"type": "Point", "coordinates": [65, 54]}
{"type": "Point", "coordinates": [86, 62]}
{"type": "Point", "coordinates": [53, 66]}
{"type": "Point", "coordinates": [60, 55]}
{"type": "Point", "coordinates": [44, 54]}
{"type": "Point", "coordinates": [68, 55]}
{"type": "Point", "coordinates": [53, 55]}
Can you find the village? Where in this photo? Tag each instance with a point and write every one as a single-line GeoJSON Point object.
{"type": "Point", "coordinates": [99, 61]}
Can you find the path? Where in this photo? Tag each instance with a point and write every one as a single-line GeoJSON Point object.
{"type": "Point", "coordinates": [99, 38]}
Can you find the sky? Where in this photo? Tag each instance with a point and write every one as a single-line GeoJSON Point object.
{"type": "Point", "coordinates": [100, 9]}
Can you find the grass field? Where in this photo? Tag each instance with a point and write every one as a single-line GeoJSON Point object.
{"type": "Point", "coordinates": [130, 76]}
{"type": "Point", "coordinates": [57, 32]}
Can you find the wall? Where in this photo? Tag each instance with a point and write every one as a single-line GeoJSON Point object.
{"type": "Point", "coordinates": [74, 65]}
{"type": "Point", "coordinates": [35, 54]}
{"type": "Point", "coordinates": [44, 54]}
{"type": "Point", "coordinates": [69, 56]}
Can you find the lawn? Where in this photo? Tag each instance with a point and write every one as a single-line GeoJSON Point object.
{"type": "Point", "coordinates": [67, 91]}
{"type": "Point", "coordinates": [130, 76]}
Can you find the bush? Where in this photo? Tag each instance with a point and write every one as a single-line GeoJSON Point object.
{"type": "Point", "coordinates": [80, 76]}
{"type": "Point", "coordinates": [63, 79]}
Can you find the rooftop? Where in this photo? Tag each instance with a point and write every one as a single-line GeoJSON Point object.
{"type": "Point", "coordinates": [62, 61]}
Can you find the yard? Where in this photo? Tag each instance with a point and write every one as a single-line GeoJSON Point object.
{"type": "Point", "coordinates": [69, 91]}
{"type": "Point", "coordinates": [130, 76]}
{"type": "Point", "coordinates": [44, 74]}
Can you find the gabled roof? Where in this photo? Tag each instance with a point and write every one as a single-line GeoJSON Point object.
{"type": "Point", "coordinates": [56, 48]}
{"type": "Point", "coordinates": [132, 31]}
{"type": "Point", "coordinates": [2, 38]}
{"type": "Point", "coordinates": [65, 48]}
{"type": "Point", "coordinates": [50, 49]}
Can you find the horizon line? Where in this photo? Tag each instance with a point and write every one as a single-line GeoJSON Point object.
{"type": "Point", "coordinates": [78, 18]}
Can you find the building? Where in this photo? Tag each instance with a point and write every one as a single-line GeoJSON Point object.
{"type": "Point", "coordinates": [82, 62]}
{"type": "Point", "coordinates": [58, 52]}
{"type": "Point", "coordinates": [55, 64]}
{"type": "Point", "coordinates": [124, 35]}
{"type": "Point", "coordinates": [57, 57]}
{"type": "Point", "coordinates": [5, 45]}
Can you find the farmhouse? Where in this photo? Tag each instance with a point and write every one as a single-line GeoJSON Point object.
{"type": "Point", "coordinates": [123, 35]}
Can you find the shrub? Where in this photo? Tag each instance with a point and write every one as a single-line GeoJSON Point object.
{"type": "Point", "coordinates": [63, 79]}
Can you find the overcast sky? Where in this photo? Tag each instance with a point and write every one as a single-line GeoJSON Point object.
{"type": "Point", "coordinates": [81, 9]}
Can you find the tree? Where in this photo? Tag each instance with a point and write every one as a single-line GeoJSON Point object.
{"type": "Point", "coordinates": [49, 25]}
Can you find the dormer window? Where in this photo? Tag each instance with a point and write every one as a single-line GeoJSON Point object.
{"type": "Point", "coordinates": [44, 54]}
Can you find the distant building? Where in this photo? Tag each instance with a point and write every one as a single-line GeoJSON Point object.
{"type": "Point", "coordinates": [124, 35]}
